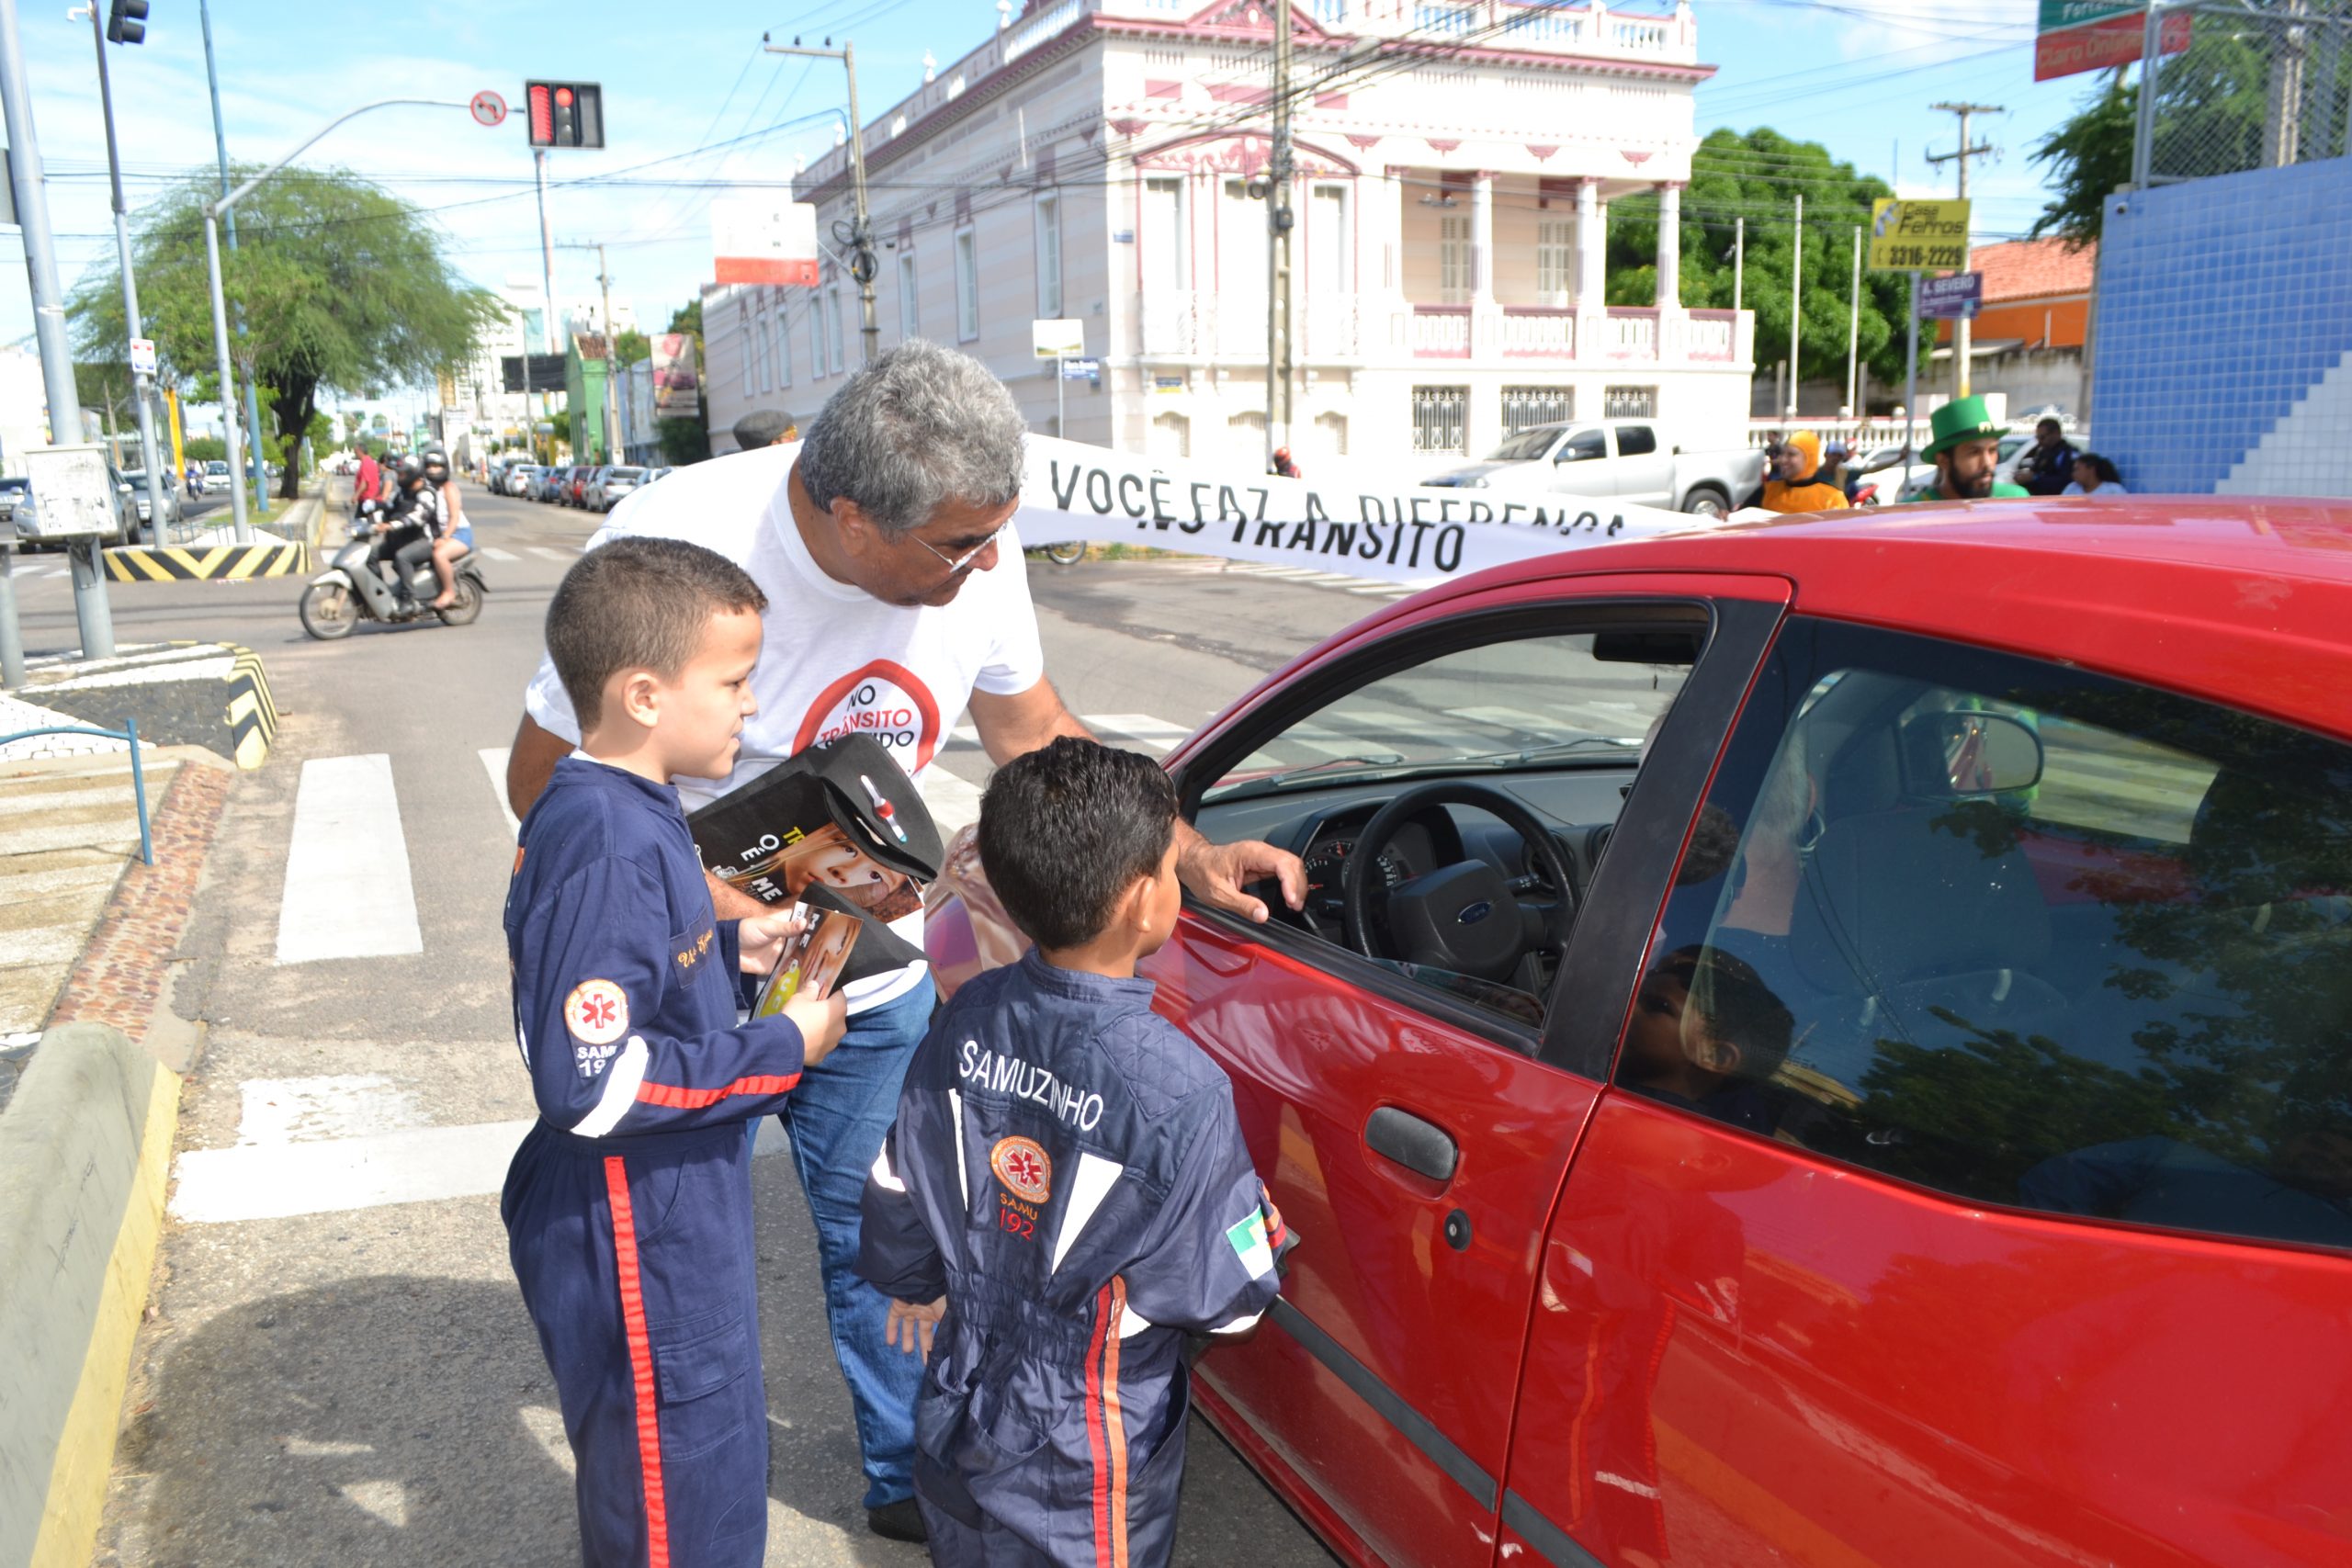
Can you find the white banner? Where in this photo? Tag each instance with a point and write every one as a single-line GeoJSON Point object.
{"type": "Point", "coordinates": [1418, 534]}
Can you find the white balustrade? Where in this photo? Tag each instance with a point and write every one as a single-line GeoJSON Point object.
{"type": "Point", "coordinates": [1542, 335]}
{"type": "Point", "coordinates": [1044, 25]}
{"type": "Point", "coordinates": [1633, 335]}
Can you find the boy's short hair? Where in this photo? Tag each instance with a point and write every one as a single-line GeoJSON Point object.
{"type": "Point", "coordinates": [638, 603]}
{"type": "Point", "coordinates": [1739, 1008]}
{"type": "Point", "coordinates": [1066, 829]}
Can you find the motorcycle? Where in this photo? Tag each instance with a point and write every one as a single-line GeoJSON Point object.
{"type": "Point", "coordinates": [353, 590]}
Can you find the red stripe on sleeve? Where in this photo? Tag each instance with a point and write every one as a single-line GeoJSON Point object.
{"type": "Point", "coordinates": [641, 1363]}
{"type": "Point", "coordinates": [1114, 1425]}
{"type": "Point", "coordinates": [678, 1097]}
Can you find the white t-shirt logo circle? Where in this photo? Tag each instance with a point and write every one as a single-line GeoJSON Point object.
{"type": "Point", "coordinates": [885, 700]}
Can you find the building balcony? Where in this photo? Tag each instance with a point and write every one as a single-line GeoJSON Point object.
{"type": "Point", "coordinates": [1204, 326]}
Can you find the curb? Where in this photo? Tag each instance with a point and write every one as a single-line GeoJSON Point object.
{"type": "Point", "coordinates": [86, 1148]}
{"type": "Point", "coordinates": [250, 714]}
{"type": "Point", "coordinates": [227, 563]}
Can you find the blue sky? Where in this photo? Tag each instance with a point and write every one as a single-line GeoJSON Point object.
{"type": "Point", "coordinates": [1854, 74]}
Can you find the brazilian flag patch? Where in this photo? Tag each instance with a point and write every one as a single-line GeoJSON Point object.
{"type": "Point", "coordinates": [1249, 1245]}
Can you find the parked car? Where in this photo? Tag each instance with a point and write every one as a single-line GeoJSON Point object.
{"type": "Point", "coordinates": [1805, 1042]}
{"type": "Point", "coordinates": [1628, 460]}
{"type": "Point", "coordinates": [133, 483]}
{"type": "Point", "coordinates": [609, 486]}
{"type": "Point", "coordinates": [516, 480]}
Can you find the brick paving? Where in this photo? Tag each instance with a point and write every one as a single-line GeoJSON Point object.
{"type": "Point", "coordinates": [120, 976]}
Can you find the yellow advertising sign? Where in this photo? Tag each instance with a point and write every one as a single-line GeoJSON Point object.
{"type": "Point", "coordinates": [179, 449]}
{"type": "Point", "coordinates": [1912, 235]}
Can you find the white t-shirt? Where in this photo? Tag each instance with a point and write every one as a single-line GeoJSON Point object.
{"type": "Point", "coordinates": [833, 657]}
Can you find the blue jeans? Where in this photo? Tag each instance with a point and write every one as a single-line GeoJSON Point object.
{"type": "Point", "coordinates": [837, 1118]}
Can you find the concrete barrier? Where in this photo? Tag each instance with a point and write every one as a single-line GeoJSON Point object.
{"type": "Point", "coordinates": [85, 1149]}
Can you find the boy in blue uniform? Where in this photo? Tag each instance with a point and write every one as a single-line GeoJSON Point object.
{"type": "Point", "coordinates": [1065, 1194]}
{"type": "Point", "coordinates": [629, 1207]}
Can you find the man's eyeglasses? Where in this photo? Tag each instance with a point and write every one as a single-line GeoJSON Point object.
{"type": "Point", "coordinates": [957, 563]}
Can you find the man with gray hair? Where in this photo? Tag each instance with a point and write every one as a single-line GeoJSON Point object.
{"type": "Point", "coordinates": [896, 602]}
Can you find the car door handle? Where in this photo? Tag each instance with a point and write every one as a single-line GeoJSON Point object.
{"type": "Point", "coordinates": [1420, 1146]}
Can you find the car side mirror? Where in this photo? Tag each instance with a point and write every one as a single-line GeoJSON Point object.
{"type": "Point", "coordinates": [1954, 755]}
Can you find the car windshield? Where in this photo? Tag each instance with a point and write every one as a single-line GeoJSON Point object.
{"type": "Point", "coordinates": [625, 474]}
{"type": "Point", "coordinates": [16, 485]}
{"type": "Point", "coordinates": [1526, 447]}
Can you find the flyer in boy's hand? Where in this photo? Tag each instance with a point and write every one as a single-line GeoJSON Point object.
{"type": "Point", "coordinates": [838, 826]}
{"type": "Point", "coordinates": [812, 961]}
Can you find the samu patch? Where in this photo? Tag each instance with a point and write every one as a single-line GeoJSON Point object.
{"type": "Point", "coordinates": [596, 1011]}
{"type": "Point", "coordinates": [1024, 1168]}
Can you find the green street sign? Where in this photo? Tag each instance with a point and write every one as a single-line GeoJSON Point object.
{"type": "Point", "coordinates": [2060, 14]}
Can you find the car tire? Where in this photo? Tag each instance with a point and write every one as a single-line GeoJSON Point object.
{"type": "Point", "coordinates": [1706, 501]}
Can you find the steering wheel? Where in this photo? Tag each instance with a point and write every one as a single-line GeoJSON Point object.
{"type": "Point", "coordinates": [1467, 917]}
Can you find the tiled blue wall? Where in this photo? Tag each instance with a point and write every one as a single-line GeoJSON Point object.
{"type": "Point", "coordinates": [2220, 302]}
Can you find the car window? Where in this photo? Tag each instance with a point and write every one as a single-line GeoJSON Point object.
{"type": "Point", "coordinates": [2020, 934]}
{"type": "Point", "coordinates": [1526, 447]}
{"type": "Point", "coordinates": [1635, 440]}
{"type": "Point", "coordinates": [1583, 446]}
{"type": "Point", "coordinates": [1559, 722]}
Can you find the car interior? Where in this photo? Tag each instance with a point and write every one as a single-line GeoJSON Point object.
{"type": "Point", "coordinates": [1451, 814]}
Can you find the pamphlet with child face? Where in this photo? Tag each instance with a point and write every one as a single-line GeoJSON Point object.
{"type": "Point", "coordinates": [839, 829]}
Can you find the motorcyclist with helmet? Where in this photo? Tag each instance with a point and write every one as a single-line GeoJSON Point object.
{"type": "Point", "coordinates": [406, 532]}
{"type": "Point", "coordinates": [455, 535]}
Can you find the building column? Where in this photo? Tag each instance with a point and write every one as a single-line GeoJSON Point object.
{"type": "Point", "coordinates": [1669, 246]}
{"type": "Point", "coordinates": [1592, 254]}
{"type": "Point", "coordinates": [1482, 238]}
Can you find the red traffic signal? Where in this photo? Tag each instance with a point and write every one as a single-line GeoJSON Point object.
{"type": "Point", "coordinates": [564, 114]}
{"type": "Point", "coordinates": [126, 22]}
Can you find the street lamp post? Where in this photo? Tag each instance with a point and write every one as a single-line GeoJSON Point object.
{"type": "Point", "coordinates": [142, 384]}
{"type": "Point", "coordinates": [213, 214]}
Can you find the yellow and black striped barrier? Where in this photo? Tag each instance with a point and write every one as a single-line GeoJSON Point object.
{"type": "Point", "coordinates": [252, 716]}
{"type": "Point", "coordinates": [176, 563]}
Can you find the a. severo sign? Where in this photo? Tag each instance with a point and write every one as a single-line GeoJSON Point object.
{"type": "Point", "coordinates": [1957, 298]}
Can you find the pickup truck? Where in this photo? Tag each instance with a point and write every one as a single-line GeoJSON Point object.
{"type": "Point", "coordinates": [1626, 459]}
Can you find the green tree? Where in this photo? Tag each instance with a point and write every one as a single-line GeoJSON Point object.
{"type": "Point", "coordinates": [2087, 156]}
{"type": "Point", "coordinates": [629, 347]}
{"type": "Point", "coordinates": [1756, 176]}
{"type": "Point", "coordinates": [343, 289]}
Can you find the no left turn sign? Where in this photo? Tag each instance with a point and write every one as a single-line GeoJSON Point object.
{"type": "Point", "coordinates": [488, 108]}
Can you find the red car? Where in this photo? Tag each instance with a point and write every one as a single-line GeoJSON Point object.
{"type": "Point", "coordinates": [1824, 1043]}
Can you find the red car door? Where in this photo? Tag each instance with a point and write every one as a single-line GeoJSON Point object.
{"type": "Point", "coordinates": [1414, 1143]}
{"type": "Point", "coordinates": [1975, 1186]}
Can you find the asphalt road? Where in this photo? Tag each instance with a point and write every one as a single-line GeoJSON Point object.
{"type": "Point", "coordinates": [338, 1368]}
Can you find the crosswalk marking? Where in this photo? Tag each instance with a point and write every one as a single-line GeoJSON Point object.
{"type": "Point", "coordinates": [347, 888]}
{"type": "Point", "coordinates": [493, 761]}
{"type": "Point", "coordinates": [494, 553]}
{"type": "Point", "coordinates": [547, 553]}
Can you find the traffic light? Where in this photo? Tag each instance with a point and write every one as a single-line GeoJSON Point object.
{"type": "Point", "coordinates": [126, 22]}
{"type": "Point", "coordinates": [562, 114]}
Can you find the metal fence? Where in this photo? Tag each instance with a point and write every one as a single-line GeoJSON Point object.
{"type": "Point", "coordinates": [2239, 86]}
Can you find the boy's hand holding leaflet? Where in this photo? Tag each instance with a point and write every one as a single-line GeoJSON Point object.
{"type": "Point", "coordinates": [821, 1015]}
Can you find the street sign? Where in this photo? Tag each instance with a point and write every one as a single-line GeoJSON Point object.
{"type": "Point", "coordinates": [74, 495]}
{"type": "Point", "coordinates": [1909, 234]}
{"type": "Point", "coordinates": [142, 356]}
{"type": "Point", "coordinates": [766, 238]}
{"type": "Point", "coordinates": [1957, 298]}
{"type": "Point", "coordinates": [1081, 370]}
{"type": "Point", "coordinates": [1061, 338]}
{"type": "Point", "coordinates": [488, 108]}
{"type": "Point", "coordinates": [2108, 36]}
{"type": "Point", "coordinates": [532, 372]}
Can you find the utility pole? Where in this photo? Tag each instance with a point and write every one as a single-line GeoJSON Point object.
{"type": "Point", "coordinates": [862, 264]}
{"type": "Point", "coordinates": [546, 298]}
{"type": "Point", "coordinates": [1854, 335]}
{"type": "Point", "coordinates": [252, 396]}
{"type": "Point", "coordinates": [612, 352]}
{"type": "Point", "coordinates": [1738, 261]}
{"type": "Point", "coordinates": [48, 320]}
{"type": "Point", "coordinates": [1959, 333]}
{"type": "Point", "coordinates": [142, 385]}
{"type": "Point", "coordinates": [1796, 303]}
{"type": "Point", "coordinates": [1281, 163]}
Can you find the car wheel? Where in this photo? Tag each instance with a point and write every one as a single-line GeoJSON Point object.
{"type": "Point", "coordinates": [1068, 553]}
{"type": "Point", "coordinates": [329, 611]}
{"type": "Point", "coordinates": [1704, 500]}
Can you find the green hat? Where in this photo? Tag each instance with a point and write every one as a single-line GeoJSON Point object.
{"type": "Point", "coordinates": [1962, 419]}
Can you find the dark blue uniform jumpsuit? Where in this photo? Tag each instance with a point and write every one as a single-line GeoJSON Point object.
{"type": "Point", "coordinates": [629, 1207]}
{"type": "Point", "coordinates": [1066, 1169]}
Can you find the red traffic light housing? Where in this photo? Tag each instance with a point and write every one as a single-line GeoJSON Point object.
{"type": "Point", "coordinates": [126, 22]}
{"type": "Point", "coordinates": [564, 114]}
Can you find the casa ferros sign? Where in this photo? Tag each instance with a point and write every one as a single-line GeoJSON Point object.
{"type": "Point", "coordinates": [2075, 36]}
{"type": "Point", "coordinates": [1911, 234]}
